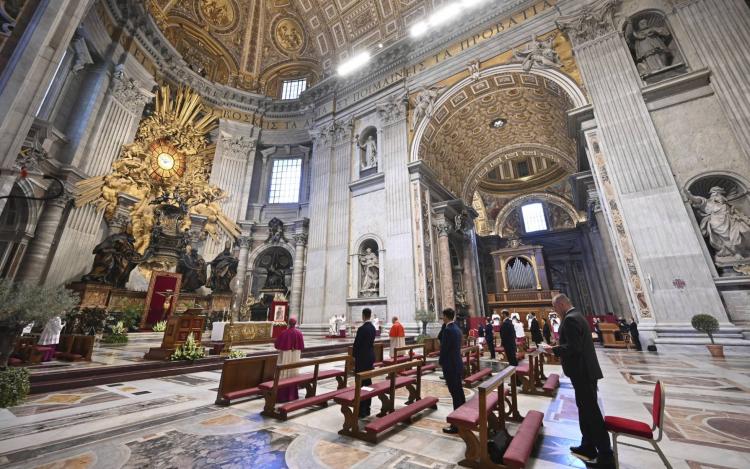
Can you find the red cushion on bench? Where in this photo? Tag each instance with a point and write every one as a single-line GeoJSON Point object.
{"type": "Point", "coordinates": [286, 382]}
{"type": "Point", "coordinates": [400, 415]}
{"type": "Point", "coordinates": [628, 426]}
{"type": "Point", "coordinates": [310, 401]}
{"type": "Point", "coordinates": [468, 414]}
{"type": "Point", "coordinates": [413, 371]}
{"type": "Point", "coordinates": [520, 447]}
{"type": "Point", "coordinates": [476, 377]}
{"type": "Point", "coordinates": [241, 393]}
{"type": "Point", "coordinates": [553, 381]}
{"type": "Point", "coordinates": [433, 354]}
{"type": "Point", "coordinates": [522, 369]}
{"type": "Point", "coordinates": [381, 387]}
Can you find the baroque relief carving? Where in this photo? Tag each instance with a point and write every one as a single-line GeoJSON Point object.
{"type": "Point", "coordinates": [392, 109]}
{"type": "Point", "coordinates": [592, 21]}
{"type": "Point", "coordinates": [127, 92]}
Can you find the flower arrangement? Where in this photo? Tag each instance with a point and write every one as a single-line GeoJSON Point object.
{"type": "Point", "coordinates": [160, 326]}
{"type": "Point", "coordinates": [118, 334]}
{"type": "Point", "coordinates": [234, 353]}
{"type": "Point", "coordinates": [190, 350]}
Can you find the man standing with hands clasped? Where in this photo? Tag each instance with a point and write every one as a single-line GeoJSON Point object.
{"type": "Point", "coordinates": [579, 362]}
{"type": "Point", "coordinates": [363, 352]}
{"type": "Point", "coordinates": [451, 362]}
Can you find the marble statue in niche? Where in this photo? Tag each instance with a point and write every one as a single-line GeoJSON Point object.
{"type": "Point", "coordinates": [368, 149]}
{"type": "Point", "coordinates": [651, 43]}
{"type": "Point", "coordinates": [370, 275]}
{"type": "Point", "coordinates": [193, 269]}
{"type": "Point", "coordinates": [538, 53]}
{"type": "Point", "coordinates": [725, 227]}
{"type": "Point", "coordinates": [223, 270]}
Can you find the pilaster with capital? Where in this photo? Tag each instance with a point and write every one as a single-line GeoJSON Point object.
{"type": "Point", "coordinates": [244, 242]}
{"type": "Point", "coordinates": [392, 109]}
{"type": "Point", "coordinates": [444, 228]}
{"type": "Point", "coordinates": [234, 164]}
{"type": "Point", "coordinates": [298, 274]}
{"type": "Point", "coordinates": [39, 252]}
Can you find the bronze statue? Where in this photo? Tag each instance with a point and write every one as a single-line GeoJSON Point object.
{"type": "Point", "coordinates": [223, 270]}
{"type": "Point", "coordinates": [114, 259]}
{"type": "Point", "coordinates": [275, 277]}
{"type": "Point", "coordinates": [193, 270]}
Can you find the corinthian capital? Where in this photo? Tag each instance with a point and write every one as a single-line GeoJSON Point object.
{"type": "Point", "coordinates": [300, 239]}
{"type": "Point", "coordinates": [444, 228]}
{"type": "Point", "coordinates": [128, 93]}
{"type": "Point", "coordinates": [392, 108]}
{"type": "Point", "coordinates": [322, 135]}
{"type": "Point", "coordinates": [237, 147]}
{"type": "Point", "coordinates": [343, 131]}
{"type": "Point", "coordinates": [592, 21]}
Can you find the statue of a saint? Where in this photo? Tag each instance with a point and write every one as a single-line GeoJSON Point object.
{"type": "Point", "coordinates": [539, 53]}
{"type": "Point", "coordinates": [650, 43]}
{"type": "Point", "coordinates": [370, 149]}
{"type": "Point", "coordinates": [275, 277]}
{"type": "Point", "coordinates": [193, 269]}
{"type": "Point", "coordinates": [370, 273]}
{"type": "Point", "coordinates": [727, 230]}
{"type": "Point", "coordinates": [424, 105]}
{"type": "Point", "coordinates": [223, 270]}
{"type": "Point", "coordinates": [114, 258]}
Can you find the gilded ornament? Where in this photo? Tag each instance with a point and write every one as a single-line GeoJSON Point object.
{"type": "Point", "coordinates": [170, 159]}
{"type": "Point", "coordinates": [218, 13]}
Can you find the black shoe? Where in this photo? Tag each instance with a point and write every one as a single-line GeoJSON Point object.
{"type": "Point", "coordinates": [602, 463]}
{"type": "Point", "coordinates": [364, 415]}
{"type": "Point", "coordinates": [584, 453]}
{"type": "Point", "coordinates": [450, 429]}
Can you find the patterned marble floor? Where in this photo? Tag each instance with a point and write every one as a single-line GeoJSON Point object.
{"type": "Point", "coordinates": [171, 422]}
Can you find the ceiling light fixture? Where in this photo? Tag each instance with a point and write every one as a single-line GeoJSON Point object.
{"type": "Point", "coordinates": [353, 63]}
{"type": "Point", "coordinates": [443, 15]}
{"type": "Point", "coordinates": [498, 123]}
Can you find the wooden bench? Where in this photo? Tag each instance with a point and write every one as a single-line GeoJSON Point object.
{"type": "Point", "coordinates": [470, 357]}
{"type": "Point", "coordinates": [491, 418]}
{"type": "Point", "coordinates": [385, 391]}
{"type": "Point", "coordinates": [75, 348]}
{"type": "Point", "coordinates": [377, 348]}
{"type": "Point", "coordinates": [240, 377]}
{"type": "Point", "coordinates": [431, 347]}
{"type": "Point", "coordinates": [426, 368]}
{"type": "Point", "coordinates": [520, 354]}
{"type": "Point", "coordinates": [532, 376]}
{"type": "Point", "coordinates": [608, 335]}
{"type": "Point", "coordinates": [471, 380]}
{"type": "Point", "coordinates": [310, 381]}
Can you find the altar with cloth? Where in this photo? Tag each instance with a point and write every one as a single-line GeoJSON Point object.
{"type": "Point", "coordinates": [241, 333]}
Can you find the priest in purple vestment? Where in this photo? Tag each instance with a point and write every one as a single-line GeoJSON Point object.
{"type": "Point", "coordinates": [290, 345]}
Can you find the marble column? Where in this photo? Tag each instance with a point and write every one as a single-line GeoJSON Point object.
{"type": "Point", "coordinates": [719, 30]}
{"type": "Point", "coordinates": [37, 255]}
{"type": "Point", "coordinates": [447, 295]}
{"type": "Point", "coordinates": [393, 156]}
{"type": "Point", "coordinates": [244, 243]}
{"type": "Point", "coordinates": [29, 70]}
{"type": "Point", "coordinates": [117, 123]}
{"type": "Point", "coordinates": [298, 274]}
{"type": "Point", "coordinates": [338, 220]}
{"type": "Point", "coordinates": [654, 233]}
{"type": "Point", "coordinates": [320, 162]}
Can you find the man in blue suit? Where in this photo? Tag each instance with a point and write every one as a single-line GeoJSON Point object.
{"type": "Point", "coordinates": [364, 355]}
{"type": "Point", "coordinates": [451, 362]}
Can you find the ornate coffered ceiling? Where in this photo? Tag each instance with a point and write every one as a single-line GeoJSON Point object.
{"type": "Point", "coordinates": [466, 152]}
{"type": "Point", "coordinates": [251, 44]}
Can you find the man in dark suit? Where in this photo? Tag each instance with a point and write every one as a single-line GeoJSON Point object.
{"type": "Point", "coordinates": [364, 355]}
{"type": "Point", "coordinates": [536, 331]}
{"type": "Point", "coordinates": [508, 338]}
{"type": "Point", "coordinates": [451, 362]}
{"type": "Point", "coordinates": [489, 337]}
{"type": "Point", "coordinates": [579, 362]}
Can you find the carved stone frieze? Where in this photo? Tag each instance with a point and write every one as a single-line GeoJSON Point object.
{"type": "Point", "coordinates": [392, 109]}
{"type": "Point", "coordinates": [342, 132]}
{"type": "Point", "coordinates": [127, 92]}
{"type": "Point", "coordinates": [592, 21]}
{"type": "Point", "coordinates": [237, 147]}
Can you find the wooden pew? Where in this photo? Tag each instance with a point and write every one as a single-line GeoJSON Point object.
{"type": "Point", "coordinates": [426, 367]}
{"type": "Point", "coordinates": [385, 391]}
{"type": "Point", "coordinates": [431, 347]}
{"type": "Point", "coordinates": [608, 335]}
{"type": "Point", "coordinates": [470, 419]}
{"type": "Point", "coordinates": [377, 348]}
{"type": "Point", "coordinates": [271, 388]}
{"type": "Point", "coordinates": [240, 377]}
{"type": "Point", "coordinates": [533, 378]}
{"type": "Point", "coordinates": [470, 357]}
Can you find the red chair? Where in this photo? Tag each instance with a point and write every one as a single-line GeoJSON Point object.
{"type": "Point", "coordinates": [620, 426]}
